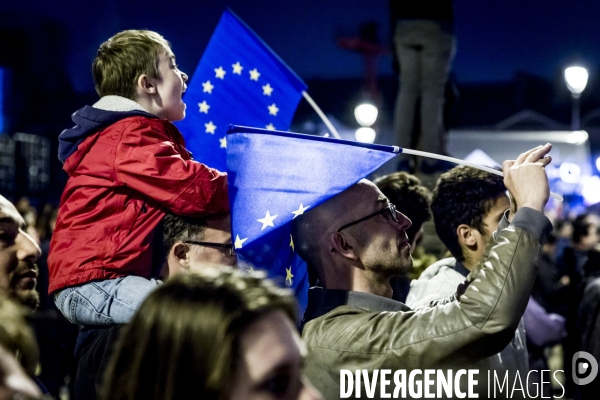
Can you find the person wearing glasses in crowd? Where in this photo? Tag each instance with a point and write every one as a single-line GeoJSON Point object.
{"type": "Point", "coordinates": [192, 245]}
{"type": "Point", "coordinates": [357, 241]}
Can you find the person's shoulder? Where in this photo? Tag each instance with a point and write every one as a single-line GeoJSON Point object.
{"type": "Point", "coordinates": [344, 319]}
{"type": "Point", "coordinates": [339, 316]}
{"type": "Point", "coordinates": [441, 267]}
{"type": "Point", "coordinates": [145, 120]}
{"type": "Point", "coordinates": [136, 126]}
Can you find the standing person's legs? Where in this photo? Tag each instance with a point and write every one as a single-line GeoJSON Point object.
{"type": "Point", "coordinates": [112, 301]}
{"type": "Point", "coordinates": [407, 52]}
{"type": "Point", "coordinates": [437, 56]}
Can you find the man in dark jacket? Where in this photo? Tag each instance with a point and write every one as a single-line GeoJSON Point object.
{"type": "Point", "coordinates": [588, 320]}
{"type": "Point", "coordinates": [572, 262]}
{"type": "Point", "coordinates": [357, 242]}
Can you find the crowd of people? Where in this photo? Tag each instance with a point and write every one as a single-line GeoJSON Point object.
{"type": "Point", "coordinates": [141, 262]}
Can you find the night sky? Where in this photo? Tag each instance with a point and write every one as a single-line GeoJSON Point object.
{"type": "Point", "coordinates": [495, 38]}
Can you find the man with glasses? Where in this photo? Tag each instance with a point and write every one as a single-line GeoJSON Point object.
{"type": "Point", "coordinates": [191, 244]}
{"type": "Point", "coordinates": [194, 243]}
{"type": "Point", "coordinates": [356, 242]}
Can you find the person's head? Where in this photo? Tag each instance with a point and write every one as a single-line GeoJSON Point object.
{"type": "Point", "coordinates": [18, 254]}
{"type": "Point", "coordinates": [410, 198]}
{"type": "Point", "coordinates": [139, 65]}
{"type": "Point", "coordinates": [194, 243]}
{"type": "Point", "coordinates": [354, 235]}
{"type": "Point", "coordinates": [467, 206]}
{"type": "Point", "coordinates": [585, 231]}
{"type": "Point", "coordinates": [216, 334]}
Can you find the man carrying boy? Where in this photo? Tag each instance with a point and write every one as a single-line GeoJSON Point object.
{"type": "Point", "coordinates": [127, 167]}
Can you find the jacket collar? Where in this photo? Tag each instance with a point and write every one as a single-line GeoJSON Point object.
{"type": "Point", "coordinates": [321, 301]}
{"type": "Point", "coordinates": [89, 120]}
{"type": "Point", "coordinates": [461, 269]}
{"type": "Point", "coordinates": [118, 103]}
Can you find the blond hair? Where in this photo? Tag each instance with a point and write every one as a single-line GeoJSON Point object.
{"type": "Point", "coordinates": [184, 337]}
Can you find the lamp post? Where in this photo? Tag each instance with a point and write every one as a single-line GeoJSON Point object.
{"type": "Point", "coordinates": [576, 79]}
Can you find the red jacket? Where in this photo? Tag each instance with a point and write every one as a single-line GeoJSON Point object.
{"type": "Point", "coordinates": [122, 180]}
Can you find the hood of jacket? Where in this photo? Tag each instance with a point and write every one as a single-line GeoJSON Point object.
{"type": "Point", "coordinates": [438, 281]}
{"type": "Point", "coordinates": [91, 119]}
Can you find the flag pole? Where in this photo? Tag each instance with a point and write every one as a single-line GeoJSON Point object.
{"type": "Point", "coordinates": [322, 115]}
{"type": "Point", "coordinates": [335, 133]}
{"type": "Point", "coordinates": [463, 162]}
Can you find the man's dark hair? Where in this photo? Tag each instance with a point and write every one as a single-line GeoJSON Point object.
{"type": "Point", "coordinates": [463, 195]}
{"type": "Point", "coordinates": [177, 228]}
{"type": "Point", "coordinates": [409, 196]}
{"type": "Point", "coordinates": [581, 225]}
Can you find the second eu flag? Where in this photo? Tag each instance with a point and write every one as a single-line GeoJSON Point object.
{"type": "Point", "coordinates": [275, 177]}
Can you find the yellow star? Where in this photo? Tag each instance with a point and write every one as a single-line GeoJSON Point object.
{"type": "Point", "coordinates": [288, 276]}
{"type": "Point", "coordinates": [292, 243]}
{"type": "Point", "coordinates": [210, 127]}
{"type": "Point", "coordinates": [207, 87]}
{"type": "Point", "coordinates": [239, 242]}
{"type": "Point", "coordinates": [220, 73]}
{"type": "Point", "coordinates": [223, 142]}
{"type": "Point", "coordinates": [267, 220]}
{"type": "Point", "coordinates": [237, 68]}
{"type": "Point", "coordinates": [300, 210]}
{"type": "Point", "coordinates": [267, 90]}
{"type": "Point", "coordinates": [204, 107]}
{"type": "Point", "coordinates": [273, 110]}
{"type": "Point", "coordinates": [254, 74]}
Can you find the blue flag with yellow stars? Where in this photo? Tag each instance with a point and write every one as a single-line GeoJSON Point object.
{"type": "Point", "coordinates": [275, 177]}
{"type": "Point", "coordinates": [239, 80]}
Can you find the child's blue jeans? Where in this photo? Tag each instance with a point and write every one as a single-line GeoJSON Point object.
{"type": "Point", "coordinates": [113, 301]}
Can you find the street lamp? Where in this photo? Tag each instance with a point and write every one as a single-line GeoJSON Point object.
{"type": "Point", "coordinates": [576, 78]}
{"type": "Point", "coordinates": [366, 115]}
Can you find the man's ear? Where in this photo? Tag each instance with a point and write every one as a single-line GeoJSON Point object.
{"type": "Point", "coordinates": [466, 235]}
{"type": "Point", "coordinates": [146, 84]}
{"type": "Point", "coordinates": [180, 252]}
{"type": "Point", "coordinates": [340, 244]}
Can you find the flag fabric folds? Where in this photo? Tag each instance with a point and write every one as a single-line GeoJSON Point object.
{"type": "Point", "coordinates": [239, 80]}
{"type": "Point", "coordinates": [275, 177]}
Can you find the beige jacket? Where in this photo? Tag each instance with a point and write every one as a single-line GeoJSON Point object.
{"type": "Point", "coordinates": [476, 323]}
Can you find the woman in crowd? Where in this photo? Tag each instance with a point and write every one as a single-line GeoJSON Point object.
{"type": "Point", "coordinates": [221, 334]}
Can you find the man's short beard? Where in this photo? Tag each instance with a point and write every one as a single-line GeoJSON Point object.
{"type": "Point", "coordinates": [389, 266]}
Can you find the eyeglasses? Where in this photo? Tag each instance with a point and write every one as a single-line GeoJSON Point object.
{"type": "Point", "coordinates": [210, 244]}
{"type": "Point", "coordinates": [391, 208]}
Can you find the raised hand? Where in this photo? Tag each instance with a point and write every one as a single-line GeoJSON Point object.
{"type": "Point", "coordinates": [526, 179]}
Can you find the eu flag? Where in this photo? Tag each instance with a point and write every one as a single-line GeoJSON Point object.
{"type": "Point", "coordinates": [275, 177]}
{"type": "Point", "coordinates": [239, 80]}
